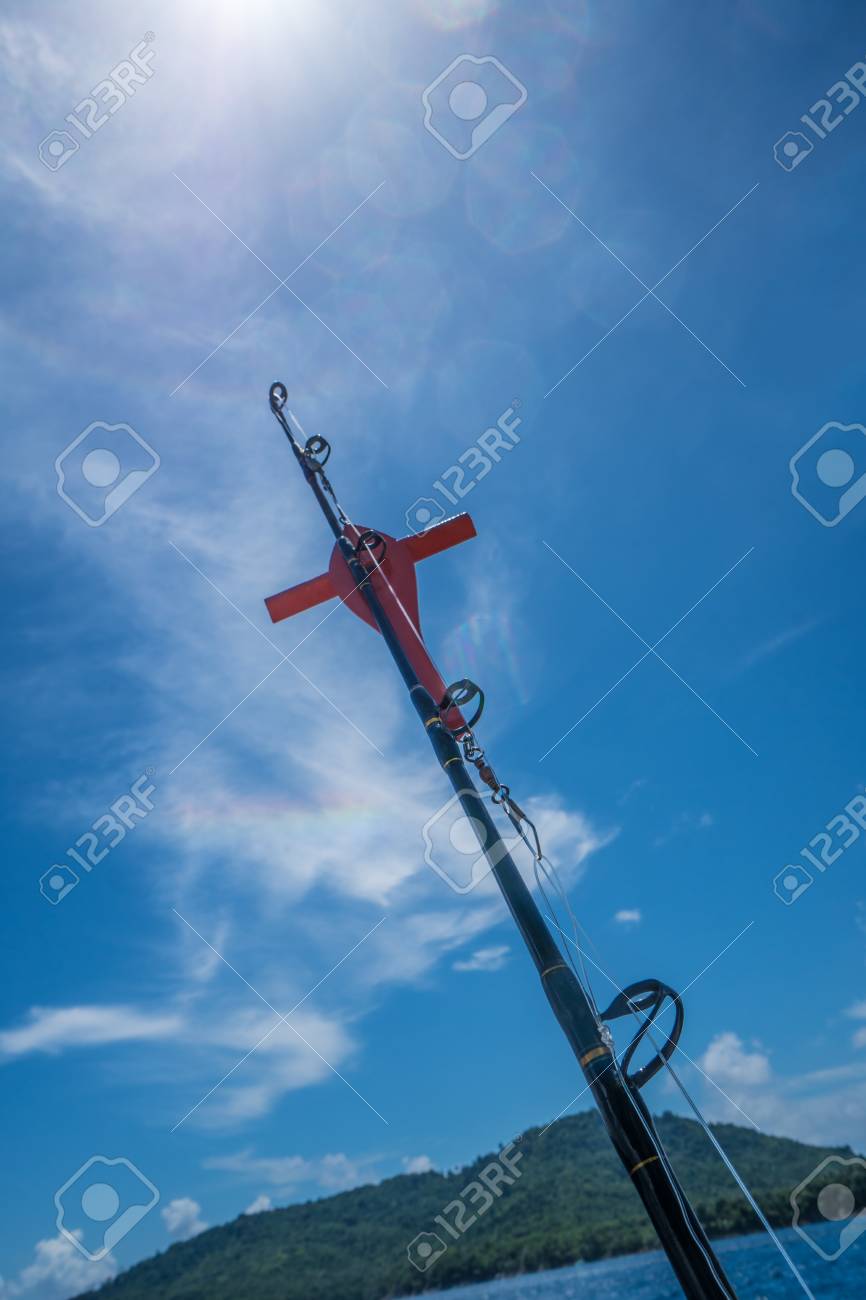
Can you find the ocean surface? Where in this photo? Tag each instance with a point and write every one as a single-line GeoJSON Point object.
{"type": "Point", "coordinates": [753, 1264]}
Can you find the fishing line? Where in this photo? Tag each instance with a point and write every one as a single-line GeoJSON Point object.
{"type": "Point", "coordinates": [647, 1023]}
{"type": "Point", "coordinates": [543, 864]}
{"type": "Point", "coordinates": [553, 876]}
{"type": "Point", "coordinates": [729, 1164]}
{"type": "Point", "coordinates": [634, 1097]}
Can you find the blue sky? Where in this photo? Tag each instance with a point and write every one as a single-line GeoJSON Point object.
{"type": "Point", "coordinates": [428, 295]}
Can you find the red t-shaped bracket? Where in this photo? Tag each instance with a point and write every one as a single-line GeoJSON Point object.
{"type": "Point", "coordinates": [394, 583]}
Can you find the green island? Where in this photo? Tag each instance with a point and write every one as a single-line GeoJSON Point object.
{"type": "Point", "coordinates": [571, 1201]}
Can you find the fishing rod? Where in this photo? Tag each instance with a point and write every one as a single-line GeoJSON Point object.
{"type": "Point", "coordinates": [374, 575]}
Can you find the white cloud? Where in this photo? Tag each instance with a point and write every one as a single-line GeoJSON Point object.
{"type": "Point", "coordinates": [628, 916]}
{"type": "Point", "coordinates": [289, 1056]}
{"type": "Point", "coordinates": [58, 1270]}
{"type": "Point", "coordinates": [824, 1108]}
{"type": "Point", "coordinates": [772, 646]}
{"type": "Point", "coordinates": [182, 1218]}
{"type": "Point", "coordinates": [417, 1164]}
{"type": "Point", "coordinates": [728, 1063]}
{"type": "Point", "coordinates": [683, 824]}
{"type": "Point", "coordinates": [568, 837]}
{"type": "Point", "coordinates": [631, 789]}
{"type": "Point", "coordinates": [260, 1204]}
{"type": "Point", "coordinates": [212, 1019]}
{"type": "Point", "coordinates": [294, 1055]}
{"type": "Point", "coordinates": [202, 961]}
{"type": "Point", "coordinates": [285, 1174]}
{"type": "Point", "coordinates": [858, 1012]}
{"type": "Point", "coordinates": [51, 1029]}
{"type": "Point", "coordinates": [486, 959]}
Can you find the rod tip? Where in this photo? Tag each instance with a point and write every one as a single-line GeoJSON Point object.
{"type": "Point", "coordinates": [278, 396]}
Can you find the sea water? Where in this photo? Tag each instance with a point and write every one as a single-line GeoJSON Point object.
{"type": "Point", "coordinates": [753, 1264]}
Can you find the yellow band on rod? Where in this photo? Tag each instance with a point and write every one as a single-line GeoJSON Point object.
{"type": "Point", "coordinates": [594, 1054]}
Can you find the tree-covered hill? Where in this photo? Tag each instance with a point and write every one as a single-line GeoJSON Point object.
{"type": "Point", "coordinates": [571, 1201]}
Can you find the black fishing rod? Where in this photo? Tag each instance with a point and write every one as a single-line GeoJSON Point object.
{"type": "Point", "coordinates": [363, 580]}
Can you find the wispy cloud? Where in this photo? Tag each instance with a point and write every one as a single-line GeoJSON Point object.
{"type": "Point", "coordinates": [683, 824]}
{"type": "Point", "coordinates": [484, 959]}
{"type": "Point", "coordinates": [200, 1043]}
{"type": "Point", "coordinates": [628, 916]}
{"type": "Point", "coordinates": [322, 822]}
{"type": "Point", "coordinates": [858, 1012]}
{"type": "Point", "coordinates": [632, 789]}
{"type": "Point", "coordinates": [53, 1029]}
{"type": "Point", "coordinates": [281, 808]}
{"type": "Point", "coordinates": [285, 1174]}
{"type": "Point", "coordinates": [775, 644]}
